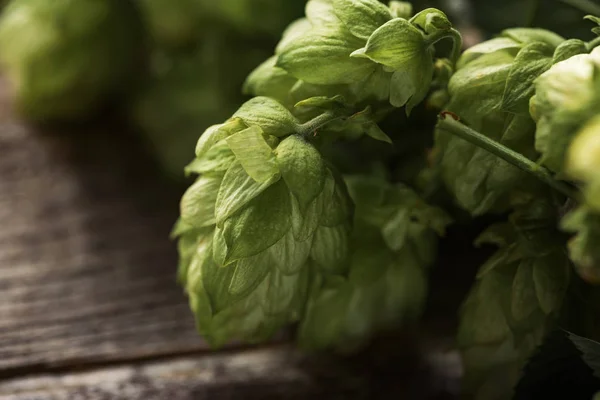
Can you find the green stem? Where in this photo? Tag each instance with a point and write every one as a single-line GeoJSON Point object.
{"type": "Point", "coordinates": [309, 128]}
{"type": "Point", "coordinates": [587, 6]}
{"type": "Point", "coordinates": [456, 42]}
{"type": "Point", "coordinates": [592, 44]}
{"type": "Point", "coordinates": [455, 127]}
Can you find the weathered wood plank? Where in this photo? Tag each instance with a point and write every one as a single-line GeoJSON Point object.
{"type": "Point", "coordinates": [273, 373]}
{"type": "Point", "coordinates": [87, 272]}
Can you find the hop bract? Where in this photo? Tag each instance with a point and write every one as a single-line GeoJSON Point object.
{"type": "Point", "coordinates": [64, 57]}
{"type": "Point", "coordinates": [265, 212]}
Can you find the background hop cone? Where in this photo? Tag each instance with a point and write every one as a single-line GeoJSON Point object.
{"type": "Point", "coordinates": [264, 215]}
{"type": "Point", "coordinates": [185, 93]}
{"type": "Point", "coordinates": [65, 57]}
{"type": "Point", "coordinates": [500, 73]}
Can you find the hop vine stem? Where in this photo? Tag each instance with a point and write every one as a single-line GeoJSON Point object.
{"type": "Point", "coordinates": [449, 124]}
{"type": "Point", "coordinates": [457, 42]}
{"type": "Point", "coordinates": [592, 44]}
{"type": "Point", "coordinates": [309, 128]}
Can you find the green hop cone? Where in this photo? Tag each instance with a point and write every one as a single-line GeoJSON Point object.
{"type": "Point", "coordinates": [265, 211]}
{"type": "Point", "coordinates": [352, 48]}
{"type": "Point", "coordinates": [393, 244]}
{"type": "Point", "coordinates": [490, 91]}
{"type": "Point", "coordinates": [566, 97]}
{"type": "Point", "coordinates": [64, 58]}
{"type": "Point", "coordinates": [515, 301]}
{"type": "Point", "coordinates": [583, 161]}
{"type": "Point", "coordinates": [583, 247]}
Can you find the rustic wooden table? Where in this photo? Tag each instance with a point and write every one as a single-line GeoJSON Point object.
{"type": "Point", "coordinates": [89, 306]}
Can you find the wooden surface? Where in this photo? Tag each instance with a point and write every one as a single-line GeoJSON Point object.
{"type": "Point", "coordinates": [270, 373]}
{"type": "Point", "coordinates": [266, 372]}
{"type": "Point", "coordinates": [87, 272]}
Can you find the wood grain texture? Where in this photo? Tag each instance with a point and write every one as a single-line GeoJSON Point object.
{"type": "Point", "coordinates": [87, 271]}
{"type": "Point", "coordinates": [252, 375]}
{"type": "Point", "coordinates": [271, 373]}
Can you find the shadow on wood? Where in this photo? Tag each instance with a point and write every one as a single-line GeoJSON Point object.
{"type": "Point", "coordinates": [87, 272]}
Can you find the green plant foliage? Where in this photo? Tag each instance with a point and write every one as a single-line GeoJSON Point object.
{"type": "Point", "coordinates": [64, 59]}
{"type": "Point", "coordinates": [500, 74]}
{"type": "Point", "coordinates": [185, 93]}
{"type": "Point", "coordinates": [517, 297]}
{"type": "Point", "coordinates": [565, 98]}
{"type": "Point", "coordinates": [348, 47]}
{"type": "Point", "coordinates": [348, 259]}
{"type": "Point", "coordinates": [394, 238]}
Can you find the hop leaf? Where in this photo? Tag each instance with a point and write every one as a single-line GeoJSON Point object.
{"type": "Point", "coordinates": [302, 169]}
{"type": "Point", "coordinates": [268, 114]}
{"type": "Point", "coordinates": [254, 154]}
{"type": "Point", "coordinates": [410, 58]}
{"type": "Point", "coordinates": [258, 225]}
{"type": "Point", "coordinates": [530, 62]}
{"type": "Point", "coordinates": [198, 202]}
{"type": "Point", "coordinates": [322, 57]}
